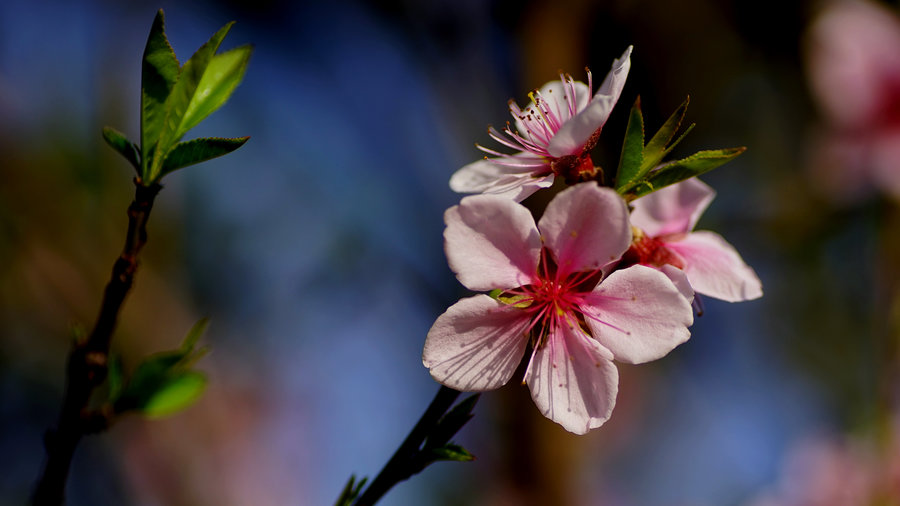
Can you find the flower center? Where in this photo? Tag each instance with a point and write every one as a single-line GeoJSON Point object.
{"type": "Point", "coordinates": [575, 168]}
{"type": "Point", "coordinates": [646, 250]}
{"type": "Point", "coordinates": [538, 122]}
{"type": "Point", "coordinates": [552, 301]}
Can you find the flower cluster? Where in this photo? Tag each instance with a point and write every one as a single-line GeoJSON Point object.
{"type": "Point", "coordinates": [589, 282]}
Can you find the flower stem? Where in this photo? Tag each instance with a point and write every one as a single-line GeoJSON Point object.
{"type": "Point", "coordinates": [87, 366]}
{"type": "Point", "coordinates": [405, 462]}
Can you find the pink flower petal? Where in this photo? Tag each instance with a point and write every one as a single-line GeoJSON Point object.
{"type": "Point", "coordinates": [573, 381]}
{"type": "Point", "coordinates": [615, 80]}
{"type": "Point", "coordinates": [853, 60]}
{"type": "Point", "coordinates": [476, 344]}
{"type": "Point", "coordinates": [491, 242]}
{"type": "Point", "coordinates": [674, 209]}
{"type": "Point", "coordinates": [570, 138]}
{"type": "Point", "coordinates": [679, 279]}
{"type": "Point", "coordinates": [586, 227]}
{"type": "Point", "coordinates": [715, 268]}
{"type": "Point", "coordinates": [638, 314]}
{"type": "Point", "coordinates": [886, 159]}
{"type": "Point", "coordinates": [502, 177]}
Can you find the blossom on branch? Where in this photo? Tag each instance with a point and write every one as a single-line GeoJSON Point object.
{"type": "Point", "coordinates": [553, 136]}
{"type": "Point", "coordinates": [551, 296]}
{"type": "Point", "coordinates": [701, 262]}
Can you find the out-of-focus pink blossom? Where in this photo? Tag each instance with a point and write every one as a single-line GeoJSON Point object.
{"type": "Point", "coordinates": [853, 64]}
{"type": "Point", "coordinates": [835, 470]}
{"type": "Point", "coordinates": [553, 136]}
{"type": "Point", "coordinates": [555, 299]}
{"type": "Point", "coordinates": [702, 261]}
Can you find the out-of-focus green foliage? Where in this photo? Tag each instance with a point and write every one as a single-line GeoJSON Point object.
{"type": "Point", "coordinates": [164, 383]}
{"type": "Point", "coordinates": [351, 491]}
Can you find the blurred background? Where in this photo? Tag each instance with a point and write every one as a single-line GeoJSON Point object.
{"type": "Point", "coordinates": [316, 249]}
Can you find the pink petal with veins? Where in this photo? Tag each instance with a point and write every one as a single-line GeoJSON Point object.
{"type": "Point", "coordinates": [573, 380]}
{"type": "Point", "coordinates": [679, 279]}
{"type": "Point", "coordinates": [638, 314]}
{"type": "Point", "coordinates": [509, 177]}
{"type": "Point", "coordinates": [585, 227]}
{"type": "Point", "coordinates": [715, 268]}
{"type": "Point", "coordinates": [491, 242]}
{"type": "Point", "coordinates": [476, 344]}
{"type": "Point", "coordinates": [674, 209]}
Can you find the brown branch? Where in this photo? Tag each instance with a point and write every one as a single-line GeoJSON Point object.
{"type": "Point", "coordinates": [88, 359]}
{"type": "Point", "coordinates": [403, 463]}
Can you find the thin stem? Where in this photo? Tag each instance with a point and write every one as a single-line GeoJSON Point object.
{"type": "Point", "coordinates": [404, 463]}
{"type": "Point", "coordinates": [87, 364]}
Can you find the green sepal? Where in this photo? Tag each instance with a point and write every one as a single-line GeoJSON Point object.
{"type": "Point", "coordinates": [351, 491]}
{"type": "Point", "coordinates": [661, 143]}
{"type": "Point", "coordinates": [452, 452]}
{"type": "Point", "coordinates": [164, 383]}
{"type": "Point", "coordinates": [686, 168]}
{"type": "Point", "coordinates": [179, 100]}
{"type": "Point", "coordinates": [199, 150]}
{"type": "Point", "coordinates": [159, 73]}
{"type": "Point", "coordinates": [632, 148]}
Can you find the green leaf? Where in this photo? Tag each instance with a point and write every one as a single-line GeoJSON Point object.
{"type": "Point", "coordinates": [351, 491]}
{"type": "Point", "coordinates": [452, 452]}
{"type": "Point", "coordinates": [159, 73]}
{"type": "Point", "coordinates": [194, 335]}
{"type": "Point", "coordinates": [659, 146]}
{"type": "Point", "coordinates": [175, 394]}
{"type": "Point", "coordinates": [124, 147]}
{"type": "Point", "coordinates": [115, 376]}
{"type": "Point", "coordinates": [163, 383]}
{"type": "Point", "coordinates": [679, 170]}
{"type": "Point", "coordinates": [221, 77]}
{"type": "Point", "coordinates": [632, 147]}
{"type": "Point", "coordinates": [178, 101]}
{"type": "Point", "coordinates": [199, 150]}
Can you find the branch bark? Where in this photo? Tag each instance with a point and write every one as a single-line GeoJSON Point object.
{"type": "Point", "coordinates": [403, 463]}
{"type": "Point", "coordinates": [87, 365]}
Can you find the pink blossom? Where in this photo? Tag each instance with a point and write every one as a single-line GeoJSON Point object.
{"type": "Point", "coordinates": [552, 300]}
{"type": "Point", "coordinates": [553, 136]}
{"type": "Point", "coordinates": [853, 63]}
{"type": "Point", "coordinates": [825, 469]}
{"type": "Point", "coordinates": [701, 262]}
